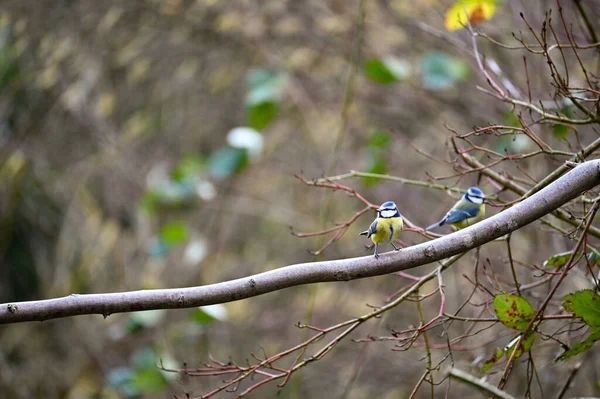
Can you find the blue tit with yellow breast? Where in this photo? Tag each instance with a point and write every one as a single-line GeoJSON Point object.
{"type": "Point", "coordinates": [469, 210]}
{"type": "Point", "coordinates": [386, 227]}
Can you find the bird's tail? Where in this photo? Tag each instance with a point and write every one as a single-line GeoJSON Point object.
{"type": "Point", "coordinates": [364, 233]}
{"type": "Point", "coordinates": [433, 226]}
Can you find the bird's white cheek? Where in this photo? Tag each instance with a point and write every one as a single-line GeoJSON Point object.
{"type": "Point", "coordinates": [387, 214]}
{"type": "Point", "coordinates": [477, 200]}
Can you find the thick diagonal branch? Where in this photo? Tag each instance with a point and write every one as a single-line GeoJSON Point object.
{"type": "Point", "coordinates": [556, 194]}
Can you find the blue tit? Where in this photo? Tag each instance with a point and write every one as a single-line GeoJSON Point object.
{"type": "Point", "coordinates": [386, 227]}
{"type": "Point", "coordinates": [466, 212]}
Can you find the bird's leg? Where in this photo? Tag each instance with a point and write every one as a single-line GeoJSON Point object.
{"type": "Point", "coordinates": [376, 254]}
{"type": "Point", "coordinates": [397, 249]}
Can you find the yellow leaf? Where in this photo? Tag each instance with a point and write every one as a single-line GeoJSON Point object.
{"type": "Point", "coordinates": [474, 10]}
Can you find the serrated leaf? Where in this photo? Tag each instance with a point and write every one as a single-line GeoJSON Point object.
{"type": "Point", "coordinates": [473, 10]}
{"type": "Point", "coordinates": [581, 346]}
{"type": "Point", "coordinates": [491, 362]}
{"type": "Point", "coordinates": [174, 233]}
{"type": "Point", "coordinates": [558, 260]}
{"type": "Point", "coordinates": [561, 259]}
{"type": "Point", "coordinates": [523, 346]}
{"type": "Point", "coordinates": [513, 311]}
{"type": "Point", "coordinates": [586, 305]}
{"type": "Point", "coordinates": [227, 161]}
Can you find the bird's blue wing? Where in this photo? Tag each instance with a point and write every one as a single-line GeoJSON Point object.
{"type": "Point", "coordinates": [372, 229]}
{"type": "Point", "coordinates": [457, 215]}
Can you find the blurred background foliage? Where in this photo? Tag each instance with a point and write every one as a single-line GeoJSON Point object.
{"type": "Point", "coordinates": [153, 144]}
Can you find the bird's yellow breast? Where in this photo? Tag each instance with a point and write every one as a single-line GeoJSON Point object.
{"type": "Point", "coordinates": [387, 229]}
{"type": "Point", "coordinates": [471, 221]}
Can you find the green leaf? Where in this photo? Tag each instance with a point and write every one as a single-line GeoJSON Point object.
{"type": "Point", "coordinates": [387, 70]}
{"type": "Point", "coordinates": [149, 380]}
{"type": "Point", "coordinates": [441, 71]}
{"type": "Point", "coordinates": [259, 116]}
{"type": "Point", "coordinates": [560, 131]}
{"type": "Point", "coordinates": [558, 260]}
{"type": "Point", "coordinates": [510, 119]}
{"type": "Point", "coordinates": [581, 346]}
{"type": "Point", "coordinates": [378, 166]}
{"type": "Point", "coordinates": [9, 67]}
{"type": "Point", "coordinates": [147, 318]}
{"type": "Point", "coordinates": [260, 77]}
{"type": "Point", "coordinates": [200, 317]}
{"type": "Point", "coordinates": [121, 378]}
{"type": "Point", "coordinates": [188, 168]}
{"type": "Point", "coordinates": [264, 86]}
{"type": "Point", "coordinates": [492, 361]}
{"type": "Point", "coordinates": [586, 305]}
{"type": "Point", "coordinates": [379, 139]}
{"type": "Point", "coordinates": [561, 259]}
{"type": "Point", "coordinates": [227, 161]}
{"type": "Point", "coordinates": [524, 345]}
{"type": "Point", "coordinates": [174, 233]}
{"type": "Point", "coordinates": [513, 311]}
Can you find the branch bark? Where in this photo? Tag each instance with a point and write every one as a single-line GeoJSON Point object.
{"type": "Point", "coordinates": [556, 194]}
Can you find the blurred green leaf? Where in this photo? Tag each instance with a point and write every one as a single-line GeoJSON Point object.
{"type": "Point", "coordinates": [264, 86]}
{"type": "Point", "coordinates": [157, 248]}
{"type": "Point", "coordinates": [560, 259]}
{"type": "Point", "coordinates": [208, 314]}
{"type": "Point", "coordinates": [513, 311]}
{"type": "Point", "coordinates": [586, 305]}
{"type": "Point", "coordinates": [510, 119]}
{"type": "Point", "coordinates": [492, 361]}
{"type": "Point", "coordinates": [188, 168]}
{"type": "Point", "coordinates": [143, 358]}
{"type": "Point", "coordinates": [260, 77]}
{"type": "Point", "coordinates": [227, 161]}
{"type": "Point", "coordinates": [147, 318]}
{"type": "Point", "coordinates": [9, 67]}
{"type": "Point", "coordinates": [174, 233]}
{"type": "Point", "coordinates": [259, 116]}
{"type": "Point", "coordinates": [379, 139]}
{"type": "Point", "coordinates": [524, 345]}
{"type": "Point", "coordinates": [121, 378]}
{"type": "Point", "coordinates": [200, 317]}
{"type": "Point", "coordinates": [441, 71]}
{"type": "Point", "coordinates": [581, 346]}
{"type": "Point", "coordinates": [560, 131]}
{"type": "Point", "coordinates": [378, 165]}
{"type": "Point", "coordinates": [387, 70]}
{"type": "Point", "coordinates": [149, 380]}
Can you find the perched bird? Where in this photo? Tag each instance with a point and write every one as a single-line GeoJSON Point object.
{"type": "Point", "coordinates": [386, 226]}
{"type": "Point", "coordinates": [466, 212]}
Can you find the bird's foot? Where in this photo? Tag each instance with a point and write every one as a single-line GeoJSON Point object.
{"type": "Point", "coordinates": [376, 256]}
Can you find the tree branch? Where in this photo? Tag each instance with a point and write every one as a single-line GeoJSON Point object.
{"type": "Point", "coordinates": [569, 186]}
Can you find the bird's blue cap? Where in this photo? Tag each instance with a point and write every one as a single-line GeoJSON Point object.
{"type": "Point", "coordinates": [388, 205]}
{"type": "Point", "coordinates": [475, 191]}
